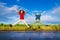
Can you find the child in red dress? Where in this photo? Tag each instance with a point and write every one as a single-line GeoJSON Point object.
{"type": "Point", "coordinates": [21, 14]}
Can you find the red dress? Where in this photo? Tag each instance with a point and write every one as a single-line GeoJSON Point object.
{"type": "Point", "coordinates": [21, 15]}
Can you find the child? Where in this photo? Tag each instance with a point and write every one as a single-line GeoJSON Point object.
{"type": "Point", "coordinates": [21, 14]}
{"type": "Point", "coordinates": [38, 17]}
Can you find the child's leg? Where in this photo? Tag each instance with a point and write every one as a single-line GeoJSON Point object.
{"type": "Point", "coordinates": [16, 22]}
{"type": "Point", "coordinates": [25, 23]}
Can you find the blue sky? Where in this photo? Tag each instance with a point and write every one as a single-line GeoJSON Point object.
{"type": "Point", "coordinates": [33, 4]}
{"type": "Point", "coordinates": [9, 16]}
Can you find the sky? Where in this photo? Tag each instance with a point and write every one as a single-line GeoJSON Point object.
{"type": "Point", "coordinates": [8, 14]}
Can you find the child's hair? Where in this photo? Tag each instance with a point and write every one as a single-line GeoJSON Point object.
{"type": "Point", "coordinates": [21, 10]}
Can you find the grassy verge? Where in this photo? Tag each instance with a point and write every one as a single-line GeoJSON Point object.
{"type": "Point", "coordinates": [22, 27]}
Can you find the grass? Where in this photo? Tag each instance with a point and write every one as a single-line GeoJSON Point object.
{"type": "Point", "coordinates": [22, 27]}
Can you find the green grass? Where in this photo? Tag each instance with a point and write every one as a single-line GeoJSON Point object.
{"type": "Point", "coordinates": [22, 27]}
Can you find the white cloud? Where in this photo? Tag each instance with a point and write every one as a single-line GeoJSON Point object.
{"type": "Point", "coordinates": [13, 7]}
{"type": "Point", "coordinates": [8, 13]}
{"type": "Point", "coordinates": [56, 11]}
{"type": "Point", "coordinates": [52, 16]}
{"type": "Point", "coordinates": [13, 19]}
{"type": "Point", "coordinates": [4, 10]}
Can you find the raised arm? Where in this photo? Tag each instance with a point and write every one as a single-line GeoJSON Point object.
{"type": "Point", "coordinates": [43, 12]}
{"type": "Point", "coordinates": [16, 10]}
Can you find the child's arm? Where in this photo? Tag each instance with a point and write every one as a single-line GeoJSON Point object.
{"type": "Point", "coordinates": [16, 10]}
{"type": "Point", "coordinates": [43, 12]}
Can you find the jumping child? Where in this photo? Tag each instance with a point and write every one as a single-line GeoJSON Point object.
{"type": "Point", "coordinates": [21, 14]}
{"type": "Point", "coordinates": [38, 16]}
